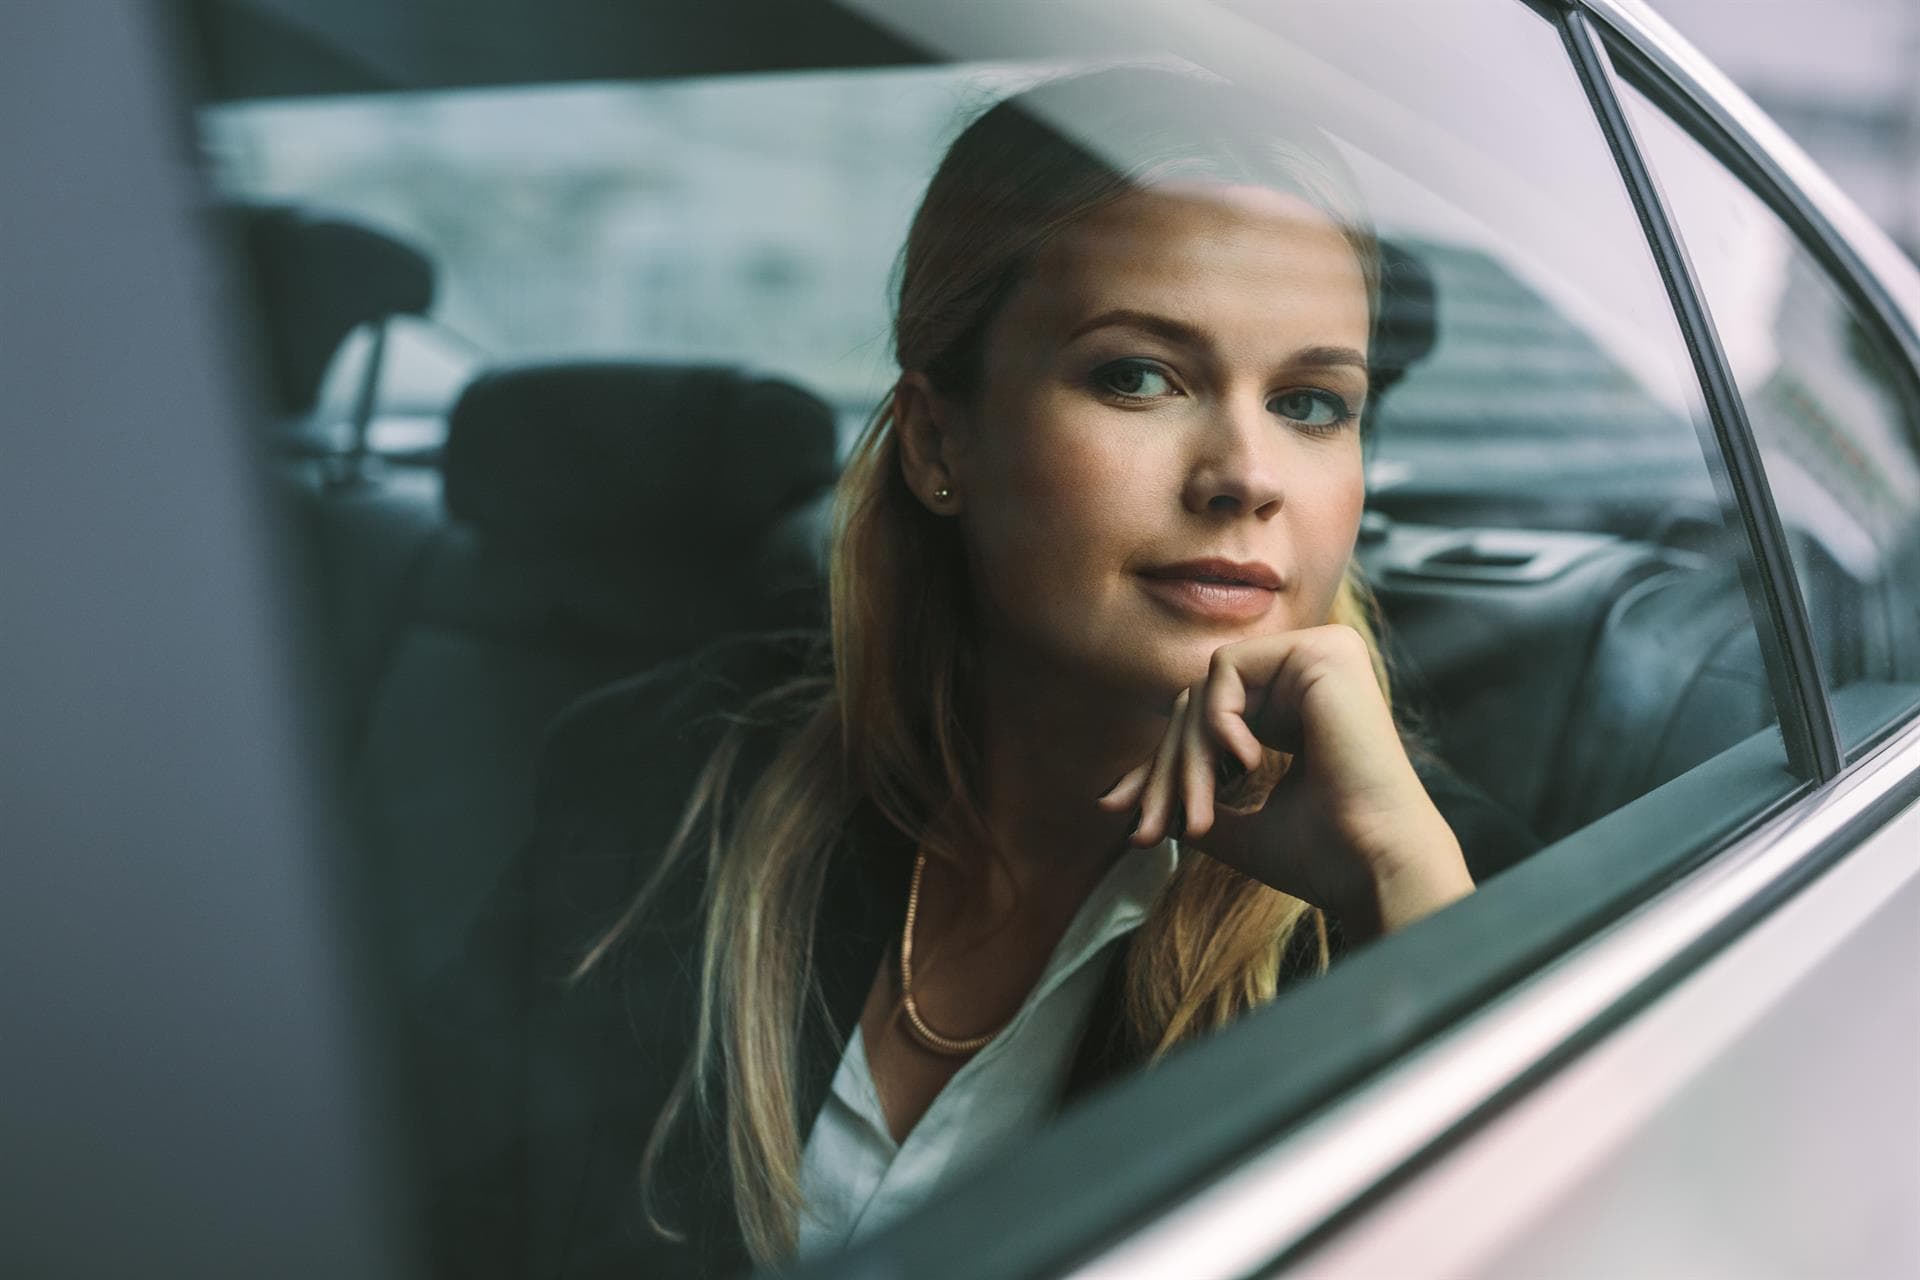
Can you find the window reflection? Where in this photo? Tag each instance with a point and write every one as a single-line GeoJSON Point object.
{"type": "Point", "coordinates": [1368, 363]}
{"type": "Point", "coordinates": [1833, 417]}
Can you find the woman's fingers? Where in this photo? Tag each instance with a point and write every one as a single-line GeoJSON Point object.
{"type": "Point", "coordinates": [1284, 763]}
{"type": "Point", "coordinates": [1156, 805]}
{"type": "Point", "coordinates": [1253, 700]}
{"type": "Point", "coordinates": [1225, 711]}
{"type": "Point", "coordinates": [1175, 791]}
{"type": "Point", "coordinates": [1197, 752]}
{"type": "Point", "coordinates": [1125, 794]}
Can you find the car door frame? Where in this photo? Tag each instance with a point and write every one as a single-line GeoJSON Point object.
{"type": "Point", "coordinates": [1317, 1172]}
{"type": "Point", "coordinates": [191, 1083]}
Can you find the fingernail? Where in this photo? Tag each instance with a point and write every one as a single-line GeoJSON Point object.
{"type": "Point", "coordinates": [1111, 785]}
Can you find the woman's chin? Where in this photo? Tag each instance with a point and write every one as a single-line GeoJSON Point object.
{"type": "Point", "coordinates": [1156, 679]}
{"type": "Point", "coordinates": [1147, 671]}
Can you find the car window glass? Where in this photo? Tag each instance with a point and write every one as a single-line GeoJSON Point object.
{"type": "Point", "coordinates": [687, 219]}
{"type": "Point", "coordinates": [1833, 410]}
{"type": "Point", "coordinates": [560, 378]}
{"type": "Point", "coordinates": [1546, 527]}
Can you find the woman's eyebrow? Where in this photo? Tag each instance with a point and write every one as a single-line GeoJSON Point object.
{"type": "Point", "coordinates": [1327, 357]}
{"type": "Point", "coordinates": [1161, 326]}
{"type": "Point", "coordinates": [1314, 357]}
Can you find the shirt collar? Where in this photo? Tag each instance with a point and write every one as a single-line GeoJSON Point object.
{"type": "Point", "coordinates": [1117, 905]}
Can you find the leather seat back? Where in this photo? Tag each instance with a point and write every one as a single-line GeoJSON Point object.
{"type": "Point", "coordinates": [589, 521]}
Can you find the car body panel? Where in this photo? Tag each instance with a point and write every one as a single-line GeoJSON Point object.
{"type": "Point", "coordinates": [1314, 1187]}
{"type": "Point", "coordinates": [1759, 1119]}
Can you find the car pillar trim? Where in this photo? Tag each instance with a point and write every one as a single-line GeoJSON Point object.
{"type": "Point", "coordinates": [1785, 631]}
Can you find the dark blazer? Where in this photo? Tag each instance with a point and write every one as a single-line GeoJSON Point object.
{"type": "Point", "coordinates": [534, 1097]}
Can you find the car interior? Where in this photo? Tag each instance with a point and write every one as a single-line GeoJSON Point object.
{"type": "Point", "coordinates": [472, 588]}
{"type": "Point", "coordinates": [471, 591]}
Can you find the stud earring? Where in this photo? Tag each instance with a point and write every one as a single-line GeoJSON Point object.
{"type": "Point", "coordinates": [942, 494]}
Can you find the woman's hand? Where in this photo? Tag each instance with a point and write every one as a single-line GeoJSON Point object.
{"type": "Point", "coordinates": [1285, 764]}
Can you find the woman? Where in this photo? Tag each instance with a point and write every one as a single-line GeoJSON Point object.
{"type": "Point", "coordinates": [1100, 755]}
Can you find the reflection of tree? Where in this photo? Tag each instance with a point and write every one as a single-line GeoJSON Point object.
{"type": "Point", "coordinates": [1830, 409]}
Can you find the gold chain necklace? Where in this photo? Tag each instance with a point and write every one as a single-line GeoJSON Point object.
{"type": "Point", "coordinates": [916, 1025]}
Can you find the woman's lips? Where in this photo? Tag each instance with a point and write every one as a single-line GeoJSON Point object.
{"type": "Point", "coordinates": [1211, 600]}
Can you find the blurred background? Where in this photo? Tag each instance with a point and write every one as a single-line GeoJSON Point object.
{"type": "Point", "coordinates": [1841, 76]}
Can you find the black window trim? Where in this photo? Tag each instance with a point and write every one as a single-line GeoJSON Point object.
{"type": "Point", "coordinates": [1785, 630]}
{"type": "Point", "coordinates": [1653, 69]}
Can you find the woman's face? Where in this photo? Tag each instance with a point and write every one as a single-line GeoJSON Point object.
{"type": "Point", "coordinates": [1164, 455]}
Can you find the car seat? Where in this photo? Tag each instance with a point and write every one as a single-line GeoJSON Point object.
{"type": "Point", "coordinates": [317, 278]}
{"type": "Point", "coordinates": [587, 521]}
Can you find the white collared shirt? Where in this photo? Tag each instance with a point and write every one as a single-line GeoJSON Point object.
{"type": "Point", "coordinates": [854, 1179]}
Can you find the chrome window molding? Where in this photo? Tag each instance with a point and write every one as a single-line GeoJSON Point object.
{"type": "Point", "coordinates": [1299, 1190]}
{"type": "Point", "coordinates": [1766, 569]}
{"type": "Point", "coordinates": [1863, 255]}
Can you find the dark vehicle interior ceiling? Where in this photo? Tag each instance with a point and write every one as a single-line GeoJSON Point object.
{"type": "Point", "coordinates": [473, 593]}
{"type": "Point", "coordinates": [287, 48]}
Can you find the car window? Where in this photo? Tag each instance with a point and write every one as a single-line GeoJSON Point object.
{"type": "Point", "coordinates": [1833, 409]}
{"type": "Point", "coordinates": [1545, 524]}
{"type": "Point", "coordinates": [575, 369]}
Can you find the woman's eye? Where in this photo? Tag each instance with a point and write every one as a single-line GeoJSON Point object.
{"type": "Point", "coordinates": [1133, 380]}
{"type": "Point", "coordinates": [1312, 407]}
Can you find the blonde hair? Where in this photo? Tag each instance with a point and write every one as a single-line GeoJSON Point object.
{"type": "Point", "coordinates": [895, 727]}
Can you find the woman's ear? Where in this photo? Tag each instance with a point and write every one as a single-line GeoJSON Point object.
{"type": "Point", "coordinates": [929, 428]}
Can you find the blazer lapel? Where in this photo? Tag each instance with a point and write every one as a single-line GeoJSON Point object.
{"type": "Point", "coordinates": [863, 903]}
{"type": "Point", "coordinates": [1105, 1049]}
{"type": "Point", "coordinates": [862, 906]}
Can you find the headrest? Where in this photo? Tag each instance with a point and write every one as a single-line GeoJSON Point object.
{"type": "Point", "coordinates": [613, 458]}
{"type": "Point", "coordinates": [318, 279]}
{"type": "Point", "coordinates": [1408, 324]}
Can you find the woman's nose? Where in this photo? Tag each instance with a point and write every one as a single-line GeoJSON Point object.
{"type": "Point", "coordinates": [1235, 467]}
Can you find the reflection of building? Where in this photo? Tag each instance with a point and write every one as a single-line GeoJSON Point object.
{"type": "Point", "coordinates": [1841, 76]}
{"type": "Point", "coordinates": [1519, 405]}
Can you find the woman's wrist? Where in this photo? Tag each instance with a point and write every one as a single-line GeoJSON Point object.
{"type": "Point", "coordinates": [1415, 874]}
